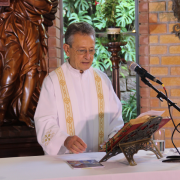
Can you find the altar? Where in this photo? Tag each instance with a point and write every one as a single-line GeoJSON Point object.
{"type": "Point", "coordinates": [55, 168]}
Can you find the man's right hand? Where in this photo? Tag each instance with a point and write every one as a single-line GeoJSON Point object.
{"type": "Point", "coordinates": [75, 144]}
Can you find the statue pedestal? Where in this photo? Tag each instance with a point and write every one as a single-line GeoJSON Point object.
{"type": "Point", "coordinates": [114, 48]}
{"type": "Point", "coordinates": [16, 141]}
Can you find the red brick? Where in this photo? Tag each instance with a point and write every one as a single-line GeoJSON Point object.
{"type": "Point", "coordinates": [170, 38]}
{"type": "Point", "coordinates": [159, 70]}
{"type": "Point", "coordinates": [158, 28]}
{"type": "Point", "coordinates": [154, 103]}
{"type": "Point", "coordinates": [53, 62]}
{"type": "Point", "coordinates": [56, 22]}
{"type": "Point", "coordinates": [157, 6]}
{"type": "Point", "coordinates": [143, 17]}
{"type": "Point", "coordinates": [144, 92]}
{"type": "Point", "coordinates": [170, 6]}
{"type": "Point", "coordinates": [176, 135]}
{"type": "Point", "coordinates": [170, 60]}
{"type": "Point", "coordinates": [141, 84]}
{"type": "Point", "coordinates": [54, 32]}
{"type": "Point", "coordinates": [146, 67]}
{"type": "Point", "coordinates": [177, 101]}
{"type": "Point", "coordinates": [153, 18]}
{"type": "Point", "coordinates": [54, 42]}
{"type": "Point", "coordinates": [143, 60]}
{"type": "Point", "coordinates": [143, 7]}
{"type": "Point", "coordinates": [54, 52]}
{"type": "Point", "coordinates": [170, 124]}
{"type": "Point", "coordinates": [144, 102]}
{"type": "Point", "coordinates": [58, 13]}
{"type": "Point", "coordinates": [175, 92]}
{"type": "Point", "coordinates": [154, 93]}
{"type": "Point", "coordinates": [144, 109]}
{"type": "Point", "coordinates": [168, 133]}
{"type": "Point", "coordinates": [175, 70]}
{"type": "Point", "coordinates": [143, 29]}
{"type": "Point", "coordinates": [171, 81]}
{"type": "Point", "coordinates": [170, 145]}
{"type": "Point", "coordinates": [165, 114]}
{"type": "Point", "coordinates": [171, 26]}
{"type": "Point", "coordinates": [158, 49]}
{"type": "Point", "coordinates": [174, 49]}
{"type": "Point", "coordinates": [175, 113]}
{"type": "Point", "coordinates": [144, 50]}
{"type": "Point", "coordinates": [143, 39]}
{"type": "Point", "coordinates": [154, 60]}
{"type": "Point", "coordinates": [153, 39]}
{"type": "Point", "coordinates": [167, 17]}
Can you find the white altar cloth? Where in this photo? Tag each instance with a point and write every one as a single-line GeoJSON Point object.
{"type": "Point", "coordinates": [55, 168]}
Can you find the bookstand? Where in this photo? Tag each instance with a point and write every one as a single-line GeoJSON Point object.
{"type": "Point", "coordinates": [139, 139]}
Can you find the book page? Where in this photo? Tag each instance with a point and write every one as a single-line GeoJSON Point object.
{"type": "Point", "coordinates": [151, 113]}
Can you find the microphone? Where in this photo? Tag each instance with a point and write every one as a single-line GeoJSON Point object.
{"type": "Point", "coordinates": [141, 71]}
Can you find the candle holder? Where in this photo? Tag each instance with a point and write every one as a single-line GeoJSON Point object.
{"type": "Point", "coordinates": [114, 48]}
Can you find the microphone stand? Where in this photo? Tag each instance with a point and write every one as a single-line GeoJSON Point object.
{"type": "Point", "coordinates": [161, 96]}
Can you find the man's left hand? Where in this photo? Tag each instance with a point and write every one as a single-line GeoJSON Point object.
{"type": "Point", "coordinates": [75, 144]}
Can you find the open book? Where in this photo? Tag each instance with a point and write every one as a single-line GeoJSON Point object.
{"type": "Point", "coordinates": [131, 126]}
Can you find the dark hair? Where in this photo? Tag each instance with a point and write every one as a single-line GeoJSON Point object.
{"type": "Point", "coordinates": [81, 28]}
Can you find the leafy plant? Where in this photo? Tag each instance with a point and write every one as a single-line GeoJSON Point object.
{"type": "Point", "coordinates": [102, 56]}
{"type": "Point", "coordinates": [81, 5]}
{"type": "Point", "coordinates": [125, 13]}
{"type": "Point", "coordinates": [128, 51]}
{"type": "Point", "coordinates": [129, 108]}
{"type": "Point", "coordinates": [80, 17]}
{"type": "Point", "coordinates": [109, 12]}
{"type": "Point", "coordinates": [102, 14]}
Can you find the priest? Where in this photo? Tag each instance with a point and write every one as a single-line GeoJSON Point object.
{"type": "Point", "coordinates": [78, 109]}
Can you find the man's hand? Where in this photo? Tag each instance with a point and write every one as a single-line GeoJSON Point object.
{"type": "Point", "coordinates": [75, 144]}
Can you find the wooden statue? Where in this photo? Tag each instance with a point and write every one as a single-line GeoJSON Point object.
{"type": "Point", "coordinates": [176, 10]}
{"type": "Point", "coordinates": [22, 56]}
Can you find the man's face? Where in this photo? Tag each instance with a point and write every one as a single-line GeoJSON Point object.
{"type": "Point", "coordinates": [81, 52]}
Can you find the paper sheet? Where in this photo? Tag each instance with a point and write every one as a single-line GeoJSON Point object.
{"type": "Point", "coordinates": [152, 113]}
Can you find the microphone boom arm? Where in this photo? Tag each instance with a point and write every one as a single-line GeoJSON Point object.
{"type": "Point", "coordinates": [160, 95]}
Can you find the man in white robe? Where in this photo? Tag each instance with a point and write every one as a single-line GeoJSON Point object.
{"type": "Point", "coordinates": [78, 108]}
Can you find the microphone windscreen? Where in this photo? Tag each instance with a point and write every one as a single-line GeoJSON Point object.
{"type": "Point", "coordinates": [131, 65]}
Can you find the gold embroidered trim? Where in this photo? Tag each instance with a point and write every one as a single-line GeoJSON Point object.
{"type": "Point", "coordinates": [67, 102]}
{"type": "Point", "coordinates": [101, 105]}
{"type": "Point", "coordinates": [48, 136]}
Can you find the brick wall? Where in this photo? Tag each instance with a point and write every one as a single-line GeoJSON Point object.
{"type": "Point", "coordinates": [54, 44]}
{"type": "Point", "coordinates": [159, 53]}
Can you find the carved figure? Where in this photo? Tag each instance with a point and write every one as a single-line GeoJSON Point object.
{"type": "Point", "coordinates": [176, 10]}
{"type": "Point", "coordinates": [22, 56]}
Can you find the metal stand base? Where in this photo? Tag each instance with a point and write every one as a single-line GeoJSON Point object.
{"type": "Point", "coordinates": [131, 148]}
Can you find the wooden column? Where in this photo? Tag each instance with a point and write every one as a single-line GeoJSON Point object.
{"type": "Point", "coordinates": [114, 48]}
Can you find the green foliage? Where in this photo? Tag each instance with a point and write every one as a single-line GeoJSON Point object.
{"type": "Point", "coordinates": [125, 13]}
{"type": "Point", "coordinates": [80, 17]}
{"type": "Point", "coordinates": [81, 5]}
{"type": "Point", "coordinates": [68, 7]}
{"type": "Point", "coordinates": [128, 51]}
{"type": "Point", "coordinates": [109, 12]}
{"type": "Point", "coordinates": [106, 13]}
{"type": "Point", "coordinates": [129, 108]}
{"type": "Point", "coordinates": [102, 56]}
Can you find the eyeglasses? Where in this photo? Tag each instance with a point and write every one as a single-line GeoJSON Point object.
{"type": "Point", "coordinates": [84, 51]}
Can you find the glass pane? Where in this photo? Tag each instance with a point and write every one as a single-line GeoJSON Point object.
{"type": "Point", "coordinates": [102, 14]}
